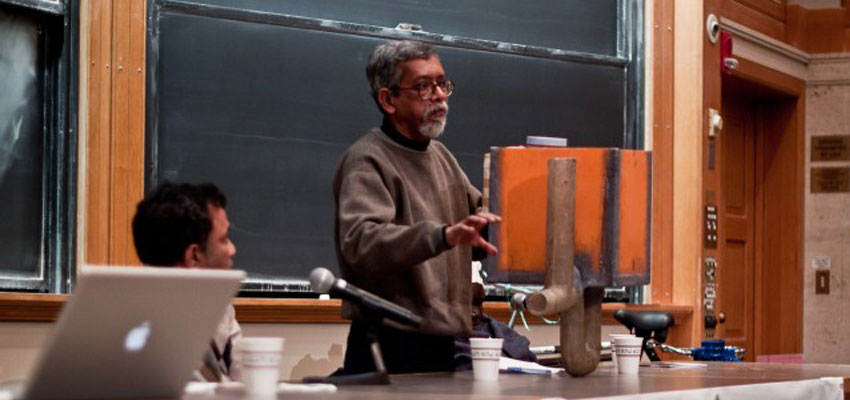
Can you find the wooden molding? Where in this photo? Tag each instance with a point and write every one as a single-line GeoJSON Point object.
{"type": "Point", "coordinates": [762, 49]}
{"type": "Point", "coordinates": [662, 152]}
{"type": "Point", "coordinates": [115, 114]}
{"type": "Point", "coordinates": [771, 78]}
{"type": "Point", "coordinates": [687, 160]}
{"type": "Point", "coordinates": [96, 164]}
{"type": "Point", "coordinates": [304, 311]}
{"type": "Point", "coordinates": [30, 307]}
{"type": "Point", "coordinates": [33, 307]}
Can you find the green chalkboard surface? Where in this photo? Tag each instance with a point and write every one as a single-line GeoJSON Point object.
{"type": "Point", "coordinates": [264, 98]}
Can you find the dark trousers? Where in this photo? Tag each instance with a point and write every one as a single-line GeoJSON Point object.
{"type": "Point", "coordinates": [404, 352]}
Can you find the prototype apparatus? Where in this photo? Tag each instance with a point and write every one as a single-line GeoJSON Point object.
{"type": "Point", "coordinates": [577, 220]}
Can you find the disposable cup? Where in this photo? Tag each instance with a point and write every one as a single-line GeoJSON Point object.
{"type": "Point", "coordinates": [628, 350]}
{"type": "Point", "coordinates": [261, 364]}
{"type": "Point", "coordinates": [485, 358]}
{"type": "Point", "coordinates": [613, 346]}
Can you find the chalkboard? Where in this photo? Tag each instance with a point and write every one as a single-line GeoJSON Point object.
{"type": "Point", "coordinates": [263, 102]}
{"type": "Point", "coordinates": [21, 144]}
{"type": "Point", "coordinates": [37, 144]}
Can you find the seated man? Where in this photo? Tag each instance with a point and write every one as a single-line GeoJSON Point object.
{"type": "Point", "coordinates": [186, 226]}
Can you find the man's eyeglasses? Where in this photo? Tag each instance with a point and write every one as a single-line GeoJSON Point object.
{"type": "Point", "coordinates": [426, 89]}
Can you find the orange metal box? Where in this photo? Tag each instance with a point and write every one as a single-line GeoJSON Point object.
{"type": "Point", "coordinates": [612, 219]}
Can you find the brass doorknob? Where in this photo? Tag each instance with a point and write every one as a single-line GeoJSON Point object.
{"type": "Point", "coordinates": [721, 317]}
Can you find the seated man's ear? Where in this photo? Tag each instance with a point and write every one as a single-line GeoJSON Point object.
{"type": "Point", "coordinates": [193, 256]}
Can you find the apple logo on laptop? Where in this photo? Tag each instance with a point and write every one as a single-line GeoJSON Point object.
{"type": "Point", "coordinates": [137, 337]}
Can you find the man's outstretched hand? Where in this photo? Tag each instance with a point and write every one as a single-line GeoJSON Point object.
{"type": "Point", "coordinates": [468, 231]}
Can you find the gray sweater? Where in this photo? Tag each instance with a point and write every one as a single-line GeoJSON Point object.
{"type": "Point", "coordinates": [392, 203]}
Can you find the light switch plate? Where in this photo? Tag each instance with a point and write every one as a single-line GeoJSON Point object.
{"type": "Point", "coordinates": [822, 281]}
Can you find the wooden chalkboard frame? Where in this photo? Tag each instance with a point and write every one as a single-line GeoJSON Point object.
{"type": "Point", "coordinates": [629, 58]}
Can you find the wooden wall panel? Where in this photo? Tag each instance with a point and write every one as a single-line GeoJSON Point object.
{"type": "Point", "coordinates": [796, 26]}
{"type": "Point", "coordinates": [97, 162]}
{"type": "Point", "coordinates": [120, 136]}
{"type": "Point", "coordinates": [114, 164]}
{"type": "Point", "coordinates": [754, 18]}
{"type": "Point", "coordinates": [826, 31]}
{"type": "Point", "coordinates": [772, 8]}
{"type": "Point", "coordinates": [687, 155]}
{"type": "Point", "coordinates": [662, 152]}
{"type": "Point", "coordinates": [811, 30]}
{"type": "Point", "coordinates": [32, 307]}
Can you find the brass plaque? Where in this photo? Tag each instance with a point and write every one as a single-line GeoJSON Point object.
{"type": "Point", "coordinates": [830, 180]}
{"type": "Point", "coordinates": [831, 148]}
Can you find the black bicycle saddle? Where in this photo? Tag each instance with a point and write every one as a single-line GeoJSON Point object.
{"type": "Point", "coordinates": [644, 323]}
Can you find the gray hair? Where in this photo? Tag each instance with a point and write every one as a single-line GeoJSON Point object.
{"type": "Point", "coordinates": [382, 69]}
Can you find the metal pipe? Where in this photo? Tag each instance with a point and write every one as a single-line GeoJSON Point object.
{"type": "Point", "coordinates": [581, 333]}
{"type": "Point", "coordinates": [559, 293]}
{"type": "Point", "coordinates": [580, 308]}
{"type": "Point", "coordinates": [671, 349]}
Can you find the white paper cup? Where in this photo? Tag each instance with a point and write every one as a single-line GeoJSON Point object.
{"type": "Point", "coordinates": [260, 358]}
{"type": "Point", "coordinates": [628, 350]}
{"type": "Point", "coordinates": [614, 347]}
{"type": "Point", "coordinates": [485, 358]}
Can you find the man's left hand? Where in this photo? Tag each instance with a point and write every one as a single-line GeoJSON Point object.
{"type": "Point", "coordinates": [467, 231]}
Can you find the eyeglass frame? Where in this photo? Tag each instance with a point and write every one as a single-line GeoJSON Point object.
{"type": "Point", "coordinates": [448, 88]}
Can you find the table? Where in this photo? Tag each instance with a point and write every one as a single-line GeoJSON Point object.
{"type": "Point", "coordinates": [728, 380]}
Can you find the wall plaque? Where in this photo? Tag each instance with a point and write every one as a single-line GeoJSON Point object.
{"type": "Point", "coordinates": [830, 180]}
{"type": "Point", "coordinates": [831, 148]}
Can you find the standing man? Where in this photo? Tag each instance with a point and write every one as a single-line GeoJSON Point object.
{"type": "Point", "coordinates": [406, 219]}
{"type": "Point", "coordinates": [186, 226]}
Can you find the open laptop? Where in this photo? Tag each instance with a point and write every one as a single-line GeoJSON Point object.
{"type": "Point", "coordinates": [132, 332]}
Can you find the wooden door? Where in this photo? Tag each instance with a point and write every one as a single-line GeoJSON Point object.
{"type": "Point", "coordinates": [736, 220]}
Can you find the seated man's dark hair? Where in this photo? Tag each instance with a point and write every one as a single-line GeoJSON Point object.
{"type": "Point", "coordinates": [172, 217]}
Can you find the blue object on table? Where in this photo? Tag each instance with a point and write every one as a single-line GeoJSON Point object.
{"type": "Point", "coordinates": [715, 350]}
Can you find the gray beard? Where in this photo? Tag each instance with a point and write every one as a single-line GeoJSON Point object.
{"type": "Point", "coordinates": [432, 130]}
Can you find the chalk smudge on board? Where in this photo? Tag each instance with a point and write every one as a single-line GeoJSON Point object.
{"type": "Point", "coordinates": [18, 44]}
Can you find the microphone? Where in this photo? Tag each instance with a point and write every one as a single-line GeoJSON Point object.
{"type": "Point", "coordinates": [323, 281]}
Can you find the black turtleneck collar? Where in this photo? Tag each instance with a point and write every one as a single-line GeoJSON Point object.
{"type": "Point", "coordinates": [397, 137]}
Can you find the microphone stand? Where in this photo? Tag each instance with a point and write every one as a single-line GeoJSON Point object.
{"type": "Point", "coordinates": [380, 376]}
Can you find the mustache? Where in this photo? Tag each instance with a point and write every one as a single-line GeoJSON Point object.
{"type": "Point", "coordinates": [436, 107]}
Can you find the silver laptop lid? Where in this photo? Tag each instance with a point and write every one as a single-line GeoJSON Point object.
{"type": "Point", "coordinates": [132, 332]}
